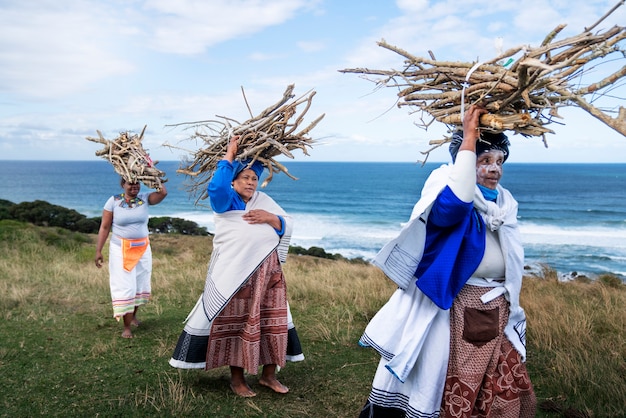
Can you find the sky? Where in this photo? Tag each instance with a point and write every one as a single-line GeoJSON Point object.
{"type": "Point", "coordinates": [69, 68]}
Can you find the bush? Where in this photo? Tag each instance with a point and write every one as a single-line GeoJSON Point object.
{"type": "Point", "coordinates": [63, 239]}
{"type": "Point", "coordinates": [610, 280]}
{"type": "Point", "coordinates": [88, 225]}
{"type": "Point", "coordinates": [312, 251]}
{"type": "Point", "coordinates": [165, 225]}
{"type": "Point", "coordinates": [42, 213]}
{"type": "Point", "coordinates": [10, 229]}
{"type": "Point", "coordinates": [321, 253]}
{"type": "Point", "coordinates": [5, 205]}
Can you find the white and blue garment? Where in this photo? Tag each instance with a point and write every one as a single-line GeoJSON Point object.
{"type": "Point", "coordinates": [411, 332]}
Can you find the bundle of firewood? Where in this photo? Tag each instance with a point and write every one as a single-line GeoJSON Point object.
{"type": "Point", "coordinates": [523, 88]}
{"type": "Point", "coordinates": [261, 138]}
{"type": "Point", "coordinates": [129, 159]}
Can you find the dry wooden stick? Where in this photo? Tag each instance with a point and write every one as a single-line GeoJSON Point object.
{"type": "Point", "coordinates": [522, 94]}
{"type": "Point", "coordinates": [129, 159]}
{"type": "Point", "coordinates": [261, 138]}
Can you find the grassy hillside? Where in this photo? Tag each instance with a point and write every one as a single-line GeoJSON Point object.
{"type": "Point", "coordinates": [61, 353]}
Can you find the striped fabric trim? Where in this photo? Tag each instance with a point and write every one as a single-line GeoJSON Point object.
{"type": "Point", "coordinates": [386, 399]}
{"type": "Point", "coordinates": [127, 305]}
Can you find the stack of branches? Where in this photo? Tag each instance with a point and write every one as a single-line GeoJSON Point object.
{"type": "Point", "coordinates": [129, 159]}
{"type": "Point", "coordinates": [522, 95]}
{"type": "Point", "coordinates": [261, 138]}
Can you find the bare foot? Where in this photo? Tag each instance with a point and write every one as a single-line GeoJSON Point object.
{"type": "Point", "coordinates": [135, 322]}
{"type": "Point", "coordinates": [273, 384]}
{"type": "Point", "coordinates": [242, 389]}
{"type": "Point", "coordinates": [127, 333]}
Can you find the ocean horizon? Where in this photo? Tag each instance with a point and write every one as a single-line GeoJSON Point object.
{"type": "Point", "coordinates": [572, 216]}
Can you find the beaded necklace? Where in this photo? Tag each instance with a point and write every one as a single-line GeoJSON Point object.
{"type": "Point", "coordinates": [129, 203]}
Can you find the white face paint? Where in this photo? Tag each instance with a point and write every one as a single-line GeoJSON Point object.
{"type": "Point", "coordinates": [489, 168]}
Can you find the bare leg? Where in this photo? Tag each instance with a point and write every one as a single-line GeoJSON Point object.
{"type": "Point", "coordinates": [128, 318]}
{"type": "Point", "coordinates": [268, 378]}
{"type": "Point", "coordinates": [238, 383]}
{"type": "Point", "coordinates": [134, 320]}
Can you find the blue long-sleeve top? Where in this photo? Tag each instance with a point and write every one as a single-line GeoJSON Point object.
{"type": "Point", "coordinates": [454, 247]}
{"type": "Point", "coordinates": [223, 197]}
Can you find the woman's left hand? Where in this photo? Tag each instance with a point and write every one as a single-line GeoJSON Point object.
{"type": "Point", "coordinates": [258, 216]}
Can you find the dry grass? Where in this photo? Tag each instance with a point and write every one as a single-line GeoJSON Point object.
{"type": "Point", "coordinates": [60, 349]}
{"type": "Point", "coordinates": [577, 342]}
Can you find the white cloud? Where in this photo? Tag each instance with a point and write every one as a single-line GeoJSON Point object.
{"type": "Point", "coordinates": [412, 6]}
{"type": "Point", "coordinates": [49, 50]}
{"type": "Point", "coordinates": [67, 69]}
{"type": "Point", "coordinates": [192, 26]}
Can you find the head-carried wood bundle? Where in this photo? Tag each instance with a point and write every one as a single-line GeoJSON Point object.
{"type": "Point", "coordinates": [129, 159]}
{"type": "Point", "coordinates": [523, 88]}
{"type": "Point", "coordinates": [261, 138]}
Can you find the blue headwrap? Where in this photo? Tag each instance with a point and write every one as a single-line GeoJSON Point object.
{"type": "Point", "coordinates": [239, 166]}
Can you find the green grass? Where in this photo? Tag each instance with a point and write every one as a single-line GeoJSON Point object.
{"type": "Point", "coordinates": [61, 353]}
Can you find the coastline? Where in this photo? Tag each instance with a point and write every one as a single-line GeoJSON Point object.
{"type": "Point", "coordinates": [80, 222]}
{"type": "Point", "coordinates": [355, 209]}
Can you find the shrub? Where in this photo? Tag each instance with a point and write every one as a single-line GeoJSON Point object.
{"type": "Point", "coordinates": [63, 239]}
{"type": "Point", "coordinates": [42, 213]}
{"type": "Point", "coordinates": [4, 208]}
{"type": "Point", "coordinates": [610, 280]}
{"type": "Point", "coordinates": [321, 253]}
{"type": "Point", "coordinates": [165, 225]}
{"type": "Point", "coordinates": [88, 225]}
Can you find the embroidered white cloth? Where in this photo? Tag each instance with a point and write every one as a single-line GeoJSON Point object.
{"type": "Point", "coordinates": [194, 340]}
{"type": "Point", "coordinates": [399, 258]}
{"type": "Point", "coordinates": [412, 335]}
{"type": "Point", "coordinates": [410, 332]}
{"type": "Point", "coordinates": [239, 248]}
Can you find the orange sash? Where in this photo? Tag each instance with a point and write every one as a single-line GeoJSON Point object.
{"type": "Point", "coordinates": [132, 251]}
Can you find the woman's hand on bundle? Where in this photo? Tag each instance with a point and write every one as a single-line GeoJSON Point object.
{"type": "Point", "coordinates": [231, 150]}
{"type": "Point", "coordinates": [471, 121]}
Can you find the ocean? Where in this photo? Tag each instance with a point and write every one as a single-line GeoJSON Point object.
{"type": "Point", "coordinates": [572, 216]}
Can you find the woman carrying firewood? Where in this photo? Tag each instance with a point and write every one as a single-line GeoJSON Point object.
{"type": "Point", "coordinates": [241, 319]}
{"type": "Point", "coordinates": [452, 337]}
{"type": "Point", "coordinates": [130, 255]}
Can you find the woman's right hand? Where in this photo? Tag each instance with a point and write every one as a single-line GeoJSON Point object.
{"type": "Point", "coordinates": [471, 121]}
{"type": "Point", "coordinates": [231, 150]}
{"type": "Point", "coordinates": [99, 259]}
{"type": "Point", "coordinates": [471, 127]}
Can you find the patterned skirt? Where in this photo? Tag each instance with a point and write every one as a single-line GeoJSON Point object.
{"type": "Point", "coordinates": [251, 330]}
{"type": "Point", "coordinates": [486, 377]}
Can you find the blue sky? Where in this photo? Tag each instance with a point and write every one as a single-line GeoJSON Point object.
{"type": "Point", "coordinates": [73, 67]}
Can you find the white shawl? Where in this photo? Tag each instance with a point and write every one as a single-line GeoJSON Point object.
{"type": "Point", "coordinates": [239, 248]}
{"type": "Point", "coordinates": [502, 217]}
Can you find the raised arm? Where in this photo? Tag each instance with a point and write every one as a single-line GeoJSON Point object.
{"type": "Point", "coordinates": [157, 197]}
